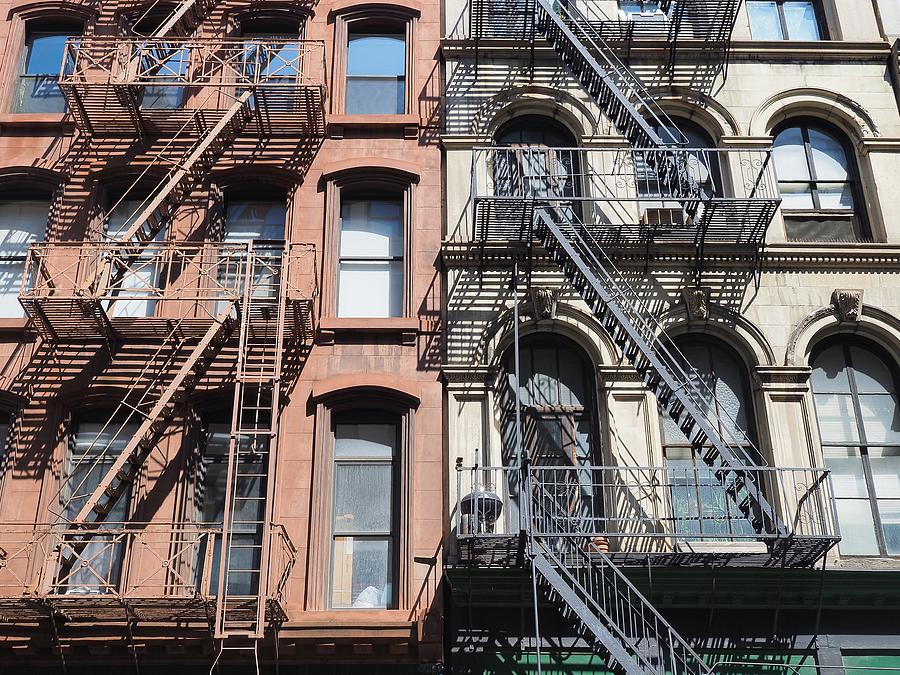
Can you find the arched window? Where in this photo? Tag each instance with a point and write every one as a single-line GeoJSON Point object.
{"type": "Point", "coordinates": [44, 46]}
{"type": "Point", "coordinates": [855, 390]}
{"type": "Point", "coordinates": [819, 183]}
{"type": "Point", "coordinates": [700, 505]}
{"type": "Point", "coordinates": [537, 157]}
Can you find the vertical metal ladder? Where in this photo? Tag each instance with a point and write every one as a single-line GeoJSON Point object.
{"type": "Point", "coordinates": [242, 577]}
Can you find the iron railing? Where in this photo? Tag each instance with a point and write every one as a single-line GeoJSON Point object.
{"type": "Point", "coordinates": [127, 277]}
{"type": "Point", "coordinates": [642, 509]}
{"type": "Point", "coordinates": [126, 561]}
{"type": "Point", "coordinates": [621, 193]}
{"type": "Point", "coordinates": [257, 63]}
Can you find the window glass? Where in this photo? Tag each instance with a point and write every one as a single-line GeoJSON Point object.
{"type": "Point", "coordinates": [783, 20]}
{"type": "Point", "coordinates": [370, 275]}
{"type": "Point", "coordinates": [93, 447]}
{"type": "Point", "coordinates": [363, 514]}
{"type": "Point", "coordinates": [247, 219]}
{"type": "Point", "coordinates": [376, 74]}
{"type": "Point", "coordinates": [765, 24]}
{"type": "Point", "coordinates": [859, 425]}
{"type": "Point", "coordinates": [22, 223]}
{"type": "Point", "coordinates": [142, 278]}
{"type": "Point", "coordinates": [37, 91]}
{"type": "Point", "coordinates": [814, 175]}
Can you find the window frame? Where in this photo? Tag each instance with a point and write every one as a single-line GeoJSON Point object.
{"type": "Point", "coordinates": [376, 181]}
{"type": "Point", "coordinates": [340, 402]}
{"type": "Point", "coordinates": [364, 416]}
{"type": "Point", "coordinates": [818, 10]}
{"type": "Point", "coordinates": [378, 18]}
{"type": "Point", "coordinates": [860, 211]}
{"type": "Point", "coordinates": [709, 344]}
{"type": "Point", "coordinates": [862, 445]}
{"type": "Point", "coordinates": [37, 27]}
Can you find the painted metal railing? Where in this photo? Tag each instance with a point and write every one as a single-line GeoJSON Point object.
{"type": "Point", "coordinates": [170, 62]}
{"type": "Point", "coordinates": [127, 561]}
{"type": "Point", "coordinates": [130, 278]}
{"type": "Point", "coordinates": [642, 508]}
{"type": "Point", "coordinates": [621, 192]}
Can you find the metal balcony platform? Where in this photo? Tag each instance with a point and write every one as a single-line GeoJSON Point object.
{"type": "Point", "coordinates": [100, 291]}
{"type": "Point", "coordinates": [126, 87]}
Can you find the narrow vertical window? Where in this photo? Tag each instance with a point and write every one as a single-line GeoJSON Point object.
{"type": "Point", "coordinates": [376, 72]}
{"type": "Point", "coordinates": [93, 447]}
{"type": "Point", "coordinates": [855, 393]}
{"type": "Point", "coordinates": [22, 223]}
{"type": "Point", "coordinates": [37, 91]}
{"type": "Point", "coordinates": [139, 285]}
{"type": "Point", "coordinates": [364, 512]}
{"type": "Point", "coordinates": [370, 275]}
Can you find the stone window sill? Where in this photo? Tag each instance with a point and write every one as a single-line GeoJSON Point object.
{"type": "Point", "coordinates": [339, 124]}
{"type": "Point", "coordinates": [405, 328]}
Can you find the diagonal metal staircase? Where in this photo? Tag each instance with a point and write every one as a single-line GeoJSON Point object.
{"type": "Point", "coordinates": [606, 608]}
{"type": "Point", "coordinates": [150, 404]}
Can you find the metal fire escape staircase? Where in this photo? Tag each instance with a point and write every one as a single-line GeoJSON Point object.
{"type": "Point", "coordinates": [609, 613]}
{"type": "Point", "coordinates": [584, 582]}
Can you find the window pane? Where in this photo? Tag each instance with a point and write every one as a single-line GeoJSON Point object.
{"type": "Point", "coordinates": [21, 223]}
{"type": "Point", "coordinates": [872, 374]}
{"type": "Point", "coordinates": [881, 418]}
{"type": "Point", "coordinates": [829, 157]}
{"type": "Point", "coordinates": [835, 196]}
{"type": "Point", "coordinates": [371, 228]}
{"type": "Point", "coordinates": [789, 154]}
{"type": "Point", "coordinates": [246, 220]}
{"type": "Point", "coordinates": [44, 53]}
{"type": "Point", "coordinates": [37, 89]}
{"type": "Point", "coordinates": [857, 527]}
{"type": "Point", "coordinates": [362, 497]}
{"type": "Point", "coordinates": [885, 463]}
{"type": "Point", "coordinates": [837, 422]}
{"type": "Point", "coordinates": [365, 440]}
{"type": "Point", "coordinates": [361, 573]}
{"type": "Point", "coordinates": [800, 18]}
{"type": "Point", "coordinates": [890, 524]}
{"type": "Point", "coordinates": [847, 471]}
{"type": "Point", "coordinates": [370, 289]}
{"type": "Point", "coordinates": [376, 68]}
{"type": "Point", "coordinates": [830, 373]}
{"type": "Point", "coordinates": [764, 21]}
{"type": "Point", "coordinates": [797, 196]}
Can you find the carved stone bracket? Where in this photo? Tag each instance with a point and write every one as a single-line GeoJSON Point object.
{"type": "Point", "coordinates": [847, 303]}
{"type": "Point", "coordinates": [696, 302]}
{"type": "Point", "coordinates": [543, 303]}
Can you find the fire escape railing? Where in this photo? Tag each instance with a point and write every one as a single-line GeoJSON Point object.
{"type": "Point", "coordinates": [644, 509]}
{"type": "Point", "coordinates": [132, 562]}
{"type": "Point", "coordinates": [720, 196]}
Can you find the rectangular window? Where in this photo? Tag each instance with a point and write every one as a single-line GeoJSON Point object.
{"type": "Point", "coordinates": [246, 540]}
{"type": "Point", "coordinates": [785, 20]}
{"type": "Point", "coordinates": [93, 447]}
{"type": "Point", "coordinates": [364, 514]}
{"type": "Point", "coordinates": [37, 90]}
{"type": "Point", "coordinates": [376, 73]}
{"type": "Point", "coordinates": [370, 276]}
{"type": "Point", "coordinates": [142, 282]}
{"type": "Point", "coordinates": [169, 71]}
{"type": "Point", "coordinates": [639, 10]}
{"type": "Point", "coordinates": [22, 223]}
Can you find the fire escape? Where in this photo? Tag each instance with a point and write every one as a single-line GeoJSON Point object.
{"type": "Point", "coordinates": [585, 210]}
{"type": "Point", "coordinates": [199, 306]}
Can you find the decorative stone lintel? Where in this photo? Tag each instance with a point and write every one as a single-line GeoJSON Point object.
{"type": "Point", "coordinates": [847, 303]}
{"type": "Point", "coordinates": [784, 379]}
{"type": "Point", "coordinates": [696, 302]}
{"type": "Point", "coordinates": [469, 382]}
{"type": "Point", "coordinates": [620, 378]}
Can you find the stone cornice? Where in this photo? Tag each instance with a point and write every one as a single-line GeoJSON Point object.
{"type": "Point", "coordinates": [776, 257]}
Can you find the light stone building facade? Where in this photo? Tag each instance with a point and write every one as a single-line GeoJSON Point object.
{"type": "Point", "coordinates": [786, 314]}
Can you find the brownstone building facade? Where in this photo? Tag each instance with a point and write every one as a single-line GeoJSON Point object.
{"type": "Point", "coordinates": [220, 336]}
